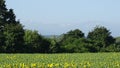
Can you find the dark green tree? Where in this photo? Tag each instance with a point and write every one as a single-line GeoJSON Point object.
{"type": "Point", "coordinates": [69, 42]}
{"type": "Point", "coordinates": [101, 37]}
{"type": "Point", "coordinates": [52, 45]}
{"type": "Point", "coordinates": [3, 11]}
{"type": "Point", "coordinates": [34, 42]}
{"type": "Point", "coordinates": [118, 40]}
{"type": "Point", "coordinates": [118, 44]}
{"type": "Point", "coordinates": [74, 34]}
{"type": "Point", "coordinates": [11, 18]}
{"type": "Point", "coordinates": [11, 31]}
{"type": "Point", "coordinates": [14, 38]}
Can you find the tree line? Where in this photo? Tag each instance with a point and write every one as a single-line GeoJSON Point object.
{"type": "Point", "coordinates": [15, 39]}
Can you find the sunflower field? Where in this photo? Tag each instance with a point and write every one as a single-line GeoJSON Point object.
{"type": "Point", "coordinates": [65, 60]}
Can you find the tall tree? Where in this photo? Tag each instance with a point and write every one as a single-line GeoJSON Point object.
{"type": "Point", "coordinates": [11, 31]}
{"type": "Point", "coordinates": [102, 37]}
{"type": "Point", "coordinates": [69, 44]}
{"type": "Point", "coordinates": [3, 11]}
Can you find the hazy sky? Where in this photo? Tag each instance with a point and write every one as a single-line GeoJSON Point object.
{"type": "Point", "coordinates": [59, 16]}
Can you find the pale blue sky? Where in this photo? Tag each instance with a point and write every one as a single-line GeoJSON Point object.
{"type": "Point", "coordinates": [59, 16]}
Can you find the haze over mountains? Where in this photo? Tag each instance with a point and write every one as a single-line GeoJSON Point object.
{"type": "Point", "coordinates": [58, 29]}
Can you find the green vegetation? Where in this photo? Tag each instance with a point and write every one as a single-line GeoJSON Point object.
{"type": "Point", "coordinates": [84, 60]}
{"type": "Point", "coordinates": [102, 39]}
{"type": "Point", "coordinates": [11, 31]}
{"type": "Point", "coordinates": [33, 42]}
{"type": "Point", "coordinates": [15, 39]}
{"type": "Point", "coordinates": [118, 40]}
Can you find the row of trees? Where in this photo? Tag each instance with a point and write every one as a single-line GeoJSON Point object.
{"type": "Point", "coordinates": [15, 39]}
{"type": "Point", "coordinates": [98, 40]}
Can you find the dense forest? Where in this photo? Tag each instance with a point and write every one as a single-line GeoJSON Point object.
{"type": "Point", "coordinates": [15, 39]}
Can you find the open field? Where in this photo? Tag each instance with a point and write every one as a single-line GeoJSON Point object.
{"type": "Point", "coordinates": [75, 60]}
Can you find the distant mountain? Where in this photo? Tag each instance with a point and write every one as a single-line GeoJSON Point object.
{"type": "Point", "coordinates": [51, 36]}
{"type": "Point", "coordinates": [55, 37]}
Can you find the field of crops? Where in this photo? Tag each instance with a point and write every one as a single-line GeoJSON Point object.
{"type": "Point", "coordinates": [75, 60]}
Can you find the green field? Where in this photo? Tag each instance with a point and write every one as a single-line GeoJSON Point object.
{"type": "Point", "coordinates": [75, 60]}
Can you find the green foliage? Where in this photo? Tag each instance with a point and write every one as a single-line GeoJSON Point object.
{"type": "Point", "coordinates": [12, 32]}
{"type": "Point", "coordinates": [118, 40]}
{"type": "Point", "coordinates": [73, 41]}
{"type": "Point", "coordinates": [102, 37]}
{"type": "Point", "coordinates": [34, 42]}
{"type": "Point", "coordinates": [74, 34]}
{"type": "Point", "coordinates": [98, 40]}
{"type": "Point", "coordinates": [3, 10]}
{"type": "Point", "coordinates": [2, 42]}
{"type": "Point", "coordinates": [13, 37]}
{"type": "Point", "coordinates": [54, 47]}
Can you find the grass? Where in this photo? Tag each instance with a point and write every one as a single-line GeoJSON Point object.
{"type": "Point", "coordinates": [75, 60]}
